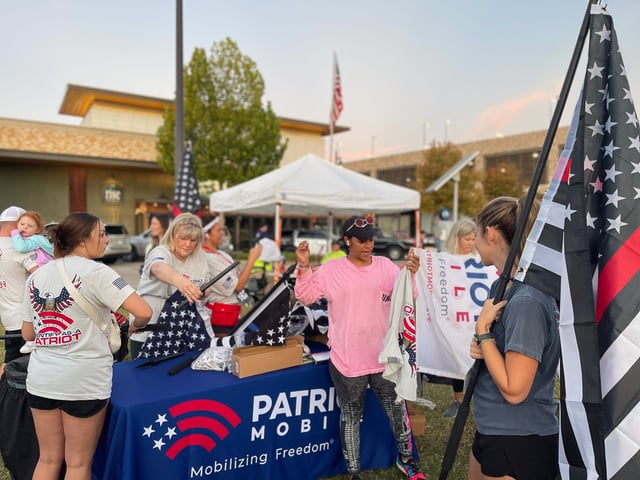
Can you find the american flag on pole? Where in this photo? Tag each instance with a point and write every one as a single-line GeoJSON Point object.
{"type": "Point", "coordinates": [186, 197]}
{"type": "Point", "coordinates": [185, 330]}
{"type": "Point", "coordinates": [336, 104]}
{"type": "Point", "coordinates": [585, 250]}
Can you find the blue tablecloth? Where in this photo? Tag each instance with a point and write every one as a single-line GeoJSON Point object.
{"type": "Point", "coordinates": [212, 425]}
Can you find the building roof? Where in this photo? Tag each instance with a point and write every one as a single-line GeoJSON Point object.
{"type": "Point", "coordinates": [52, 141]}
{"type": "Point", "coordinates": [78, 100]}
{"type": "Point", "coordinates": [87, 144]}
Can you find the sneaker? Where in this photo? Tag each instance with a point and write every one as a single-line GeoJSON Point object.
{"type": "Point", "coordinates": [28, 347]}
{"type": "Point", "coordinates": [355, 477]}
{"type": "Point", "coordinates": [410, 469]}
{"type": "Point", "coordinates": [452, 410]}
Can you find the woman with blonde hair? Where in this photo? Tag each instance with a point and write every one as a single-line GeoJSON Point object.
{"type": "Point", "coordinates": [178, 263]}
{"type": "Point", "coordinates": [462, 238]}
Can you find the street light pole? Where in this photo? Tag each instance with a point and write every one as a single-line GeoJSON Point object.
{"type": "Point", "coordinates": [179, 107]}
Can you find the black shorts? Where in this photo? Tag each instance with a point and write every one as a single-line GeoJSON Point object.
{"type": "Point", "coordinates": [529, 457]}
{"type": "Point", "coordinates": [75, 408]}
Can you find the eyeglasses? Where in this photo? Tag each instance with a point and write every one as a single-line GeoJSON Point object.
{"type": "Point", "coordinates": [360, 223]}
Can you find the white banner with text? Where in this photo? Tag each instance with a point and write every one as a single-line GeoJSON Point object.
{"type": "Point", "coordinates": [451, 292]}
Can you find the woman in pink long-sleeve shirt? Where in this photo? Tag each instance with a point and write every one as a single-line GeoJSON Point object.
{"type": "Point", "coordinates": [358, 290]}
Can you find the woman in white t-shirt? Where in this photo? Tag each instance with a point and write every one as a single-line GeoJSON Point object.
{"type": "Point", "coordinates": [178, 263]}
{"type": "Point", "coordinates": [70, 369]}
{"type": "Point", "coordinates": [222, 300]}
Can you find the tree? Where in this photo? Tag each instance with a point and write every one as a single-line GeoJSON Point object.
{"type": "Point", "coordinates": [437, 160]}
{"type": "Point", "coordinates": [235, 138]}
{"type": "Point", "coordinates": [503, 180]}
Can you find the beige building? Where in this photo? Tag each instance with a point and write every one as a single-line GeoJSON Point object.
{"type": "Point", "coordinates": [522, 150]}
{"type": "Point", "coordinates": [107, 164]}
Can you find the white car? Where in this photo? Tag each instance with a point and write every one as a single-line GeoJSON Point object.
{"type": "Point", "coordinates": [119, 246]}
{"type": "Point", "coordinates": [317, 239]}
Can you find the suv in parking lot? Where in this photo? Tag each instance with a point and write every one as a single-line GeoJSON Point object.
{"type": "Point", "coordinates": [391, 247]}
{"type": "Point", "coordinates": [119, 245]}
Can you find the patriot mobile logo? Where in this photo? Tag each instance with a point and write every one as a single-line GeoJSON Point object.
{"type": "Point", "coordinates": [193, 423]}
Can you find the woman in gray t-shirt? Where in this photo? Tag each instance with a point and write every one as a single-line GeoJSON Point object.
{"type": "Point", "coordinates": [518, 339]}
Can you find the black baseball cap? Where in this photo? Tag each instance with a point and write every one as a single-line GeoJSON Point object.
{"type": "Point", "coordinates": [359, 227]}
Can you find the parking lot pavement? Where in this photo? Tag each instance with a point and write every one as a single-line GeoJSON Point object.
{"type": "Point", "coordinates": [130, 271]}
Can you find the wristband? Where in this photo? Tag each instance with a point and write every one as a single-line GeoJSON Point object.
{"type": "Point", "coordinates": [302, 268]}
{"type": "Point", "coordinates": [483, 337]}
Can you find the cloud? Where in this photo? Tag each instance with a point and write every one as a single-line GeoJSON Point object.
{"type": "Point", "coordinates": [498, 118]}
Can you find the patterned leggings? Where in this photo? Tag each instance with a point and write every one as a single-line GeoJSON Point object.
{"type": "Point", "coordinates": [351, 395]}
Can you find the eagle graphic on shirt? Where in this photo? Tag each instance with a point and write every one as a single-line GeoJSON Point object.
{"type": "Point", "coordinates": [49, 302]}
{"type": "Point", "coordinates": [53, 327]}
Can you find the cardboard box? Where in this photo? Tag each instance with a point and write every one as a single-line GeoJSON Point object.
{"type": "Point", "coordinates": [252, 360]}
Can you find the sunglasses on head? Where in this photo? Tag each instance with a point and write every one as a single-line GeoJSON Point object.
{"type": "Point", "coordinates": [360, 223]}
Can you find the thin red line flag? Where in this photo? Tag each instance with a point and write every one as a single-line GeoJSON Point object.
{"type": "Point", "coordinates": [585, 250]}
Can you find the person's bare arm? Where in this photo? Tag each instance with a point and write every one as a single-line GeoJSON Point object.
{"type": "Point", "coordinates": [245, 274]}
{"type": "Point", "coordinates": [166, 274]}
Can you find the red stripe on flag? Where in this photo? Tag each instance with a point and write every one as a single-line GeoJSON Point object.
{"type": "Point", "coordinates": [567, 171]}
{"type": "Point", "coordinates": [617, 272]}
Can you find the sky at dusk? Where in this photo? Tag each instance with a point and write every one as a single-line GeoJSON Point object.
{"type": "Point", "coordinates": [411, 70]}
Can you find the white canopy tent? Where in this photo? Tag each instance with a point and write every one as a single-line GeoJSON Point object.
{"type": "Point", "coordinates": [313, 186]}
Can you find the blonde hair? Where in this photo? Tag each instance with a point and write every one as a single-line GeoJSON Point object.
{"type": "Point", "coordinates": [460, 229]}
{"type": "Point", "coordinates": [36, 217]}
{"type": "Point", "coordinates": [502, 213]}
{"type": "Point", "coordinates": [185, 225]}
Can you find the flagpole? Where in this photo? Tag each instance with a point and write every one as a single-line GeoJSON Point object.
{"type": "Point", "coordinates": [463, 411]}
{"type": "Point", "coordinates": [179, 107]}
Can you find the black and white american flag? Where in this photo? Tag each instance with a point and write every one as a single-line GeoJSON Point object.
{"type": "Point", "coordinates": [584, 249]}
{"type": "Point", "coordinates": [185, 330]}
{"type": "Point", "coordinates": [186, 197]}
{"type": "Point", "coordinates": [268, 322]}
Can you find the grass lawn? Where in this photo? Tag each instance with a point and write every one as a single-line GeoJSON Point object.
{"type": "Point", "coordinates": [431, 446]}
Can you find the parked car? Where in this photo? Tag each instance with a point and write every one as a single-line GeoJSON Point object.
{"type": "Point", "coordinates": [394, 248]}
{"type": "Point", "coordinates": [119, 245]}
{"type": "Point", "coordinates": [317, 240]}
{"type": "Point", "coordinates": [139, 244]}
{"type": "Point", "coordinates": [48, 227]}
{"type": "Point", "coordinates": [391, 247]}
{"type": "Point", "coordinates": [286, 241]}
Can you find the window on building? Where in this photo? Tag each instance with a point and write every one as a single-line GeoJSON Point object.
{"type": "Point", "coordinates": [402, 176]}
{"type": "Point", "coordinates": [524, 161]}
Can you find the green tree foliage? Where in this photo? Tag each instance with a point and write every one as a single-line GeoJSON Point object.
{"type": "Point", "coordinates": [502, 180]}
{"type": "Point", "coordinates": [437, 160]}
{"type": "Point", "coordinates": [235, 138]}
